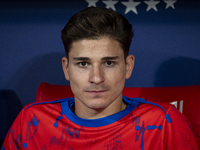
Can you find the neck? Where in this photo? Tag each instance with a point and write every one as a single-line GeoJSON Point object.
{"type": "Point", "coordinates": [90, 113]}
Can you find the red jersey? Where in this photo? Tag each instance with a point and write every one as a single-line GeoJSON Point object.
{"type": "Point", "coordinates": [143, 125]}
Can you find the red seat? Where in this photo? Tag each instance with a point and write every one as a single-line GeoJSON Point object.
{"type": "Point", "coordinates": [187, 98]}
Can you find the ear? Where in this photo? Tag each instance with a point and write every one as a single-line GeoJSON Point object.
{"type": "Point", "coordinates": [65, 67]}
{"type": "Point", "coordinates": [130, 60]}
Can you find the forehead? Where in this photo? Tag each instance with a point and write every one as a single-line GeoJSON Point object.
{"type": "Point", "coordinates": [96, 48]}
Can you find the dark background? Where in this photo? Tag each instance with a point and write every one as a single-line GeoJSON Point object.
{"type": "Point", "coordinates": [166, 45]}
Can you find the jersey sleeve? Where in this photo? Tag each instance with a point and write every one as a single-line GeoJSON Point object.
{"type": "Point", "coordinates": [13, 138]}
{"type": "Point", "coordinates": [178, 134]}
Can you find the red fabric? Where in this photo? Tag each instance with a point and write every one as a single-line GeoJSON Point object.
{"type": "Point", "coordinates": [189, 94]}
{"type": "Point", "coordinates": [46, 92]}
{"type": "Point", "coordinates": [52, 126]}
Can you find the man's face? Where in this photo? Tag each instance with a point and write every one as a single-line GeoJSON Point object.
{"type": "Point", "coordinates": [97, 71]}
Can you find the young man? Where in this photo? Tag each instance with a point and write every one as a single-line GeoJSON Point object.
{"type": "Point", "coordinates": [97, 42]}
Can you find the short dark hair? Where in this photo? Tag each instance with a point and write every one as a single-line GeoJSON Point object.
{"type": "Point", "coordinates": [95, 23]}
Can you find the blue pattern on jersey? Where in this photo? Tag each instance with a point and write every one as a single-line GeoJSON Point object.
{"type": "Point", "coordinates": [67, 103]}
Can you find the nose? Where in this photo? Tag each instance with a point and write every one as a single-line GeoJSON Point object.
{"type": "Point", "coordinates": [96, 75]}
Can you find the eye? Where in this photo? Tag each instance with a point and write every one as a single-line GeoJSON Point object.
{"type": "Point", "coordinates": [109, 63]}
{"type": "Point", "coordinates": [83, 64]}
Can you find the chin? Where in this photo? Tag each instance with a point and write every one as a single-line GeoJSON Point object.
{"type": "Point", "coordinates": [96, 104]}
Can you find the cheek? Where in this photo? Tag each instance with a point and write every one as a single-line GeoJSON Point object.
{"type": "Point", "coordinates": [75, 84]}
{"type": "Point", "coordinates": [74, 74]}
{"type": "Point", "coordinates": [118, 78]}
{"type": "Point", "coordinates": [77, 79]}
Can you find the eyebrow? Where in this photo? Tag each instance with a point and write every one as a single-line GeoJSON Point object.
{"type": "Point", "coordinates": [110, 58]}
{"type": "Point", "coordinates": [87, 58]}
{"type": "Point", "coordinates": [81, 58]}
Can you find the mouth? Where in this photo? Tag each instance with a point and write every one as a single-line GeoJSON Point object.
{"type": "Point", "coordinates": [96, 92]}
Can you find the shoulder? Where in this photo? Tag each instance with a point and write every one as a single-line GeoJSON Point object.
{"type": "Point", "coordinates": [148, 105]}
{"type": "Point", "coordinates": [37, 104]}
{"type": "Point", "coordinates": [163, 111]}
{"type": "Point", "coordinates": [44, 107]}
{"type": "Point", "coordinates": [147, 109]}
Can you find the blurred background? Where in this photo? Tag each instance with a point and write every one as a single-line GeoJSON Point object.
{"type": "Point", "coordinates": [166, 44]}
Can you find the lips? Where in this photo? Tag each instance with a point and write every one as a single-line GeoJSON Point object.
{"type": "Point", "coordinates": [96, 93]}
{"type": "Point", "coordinates": [97, 90]}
